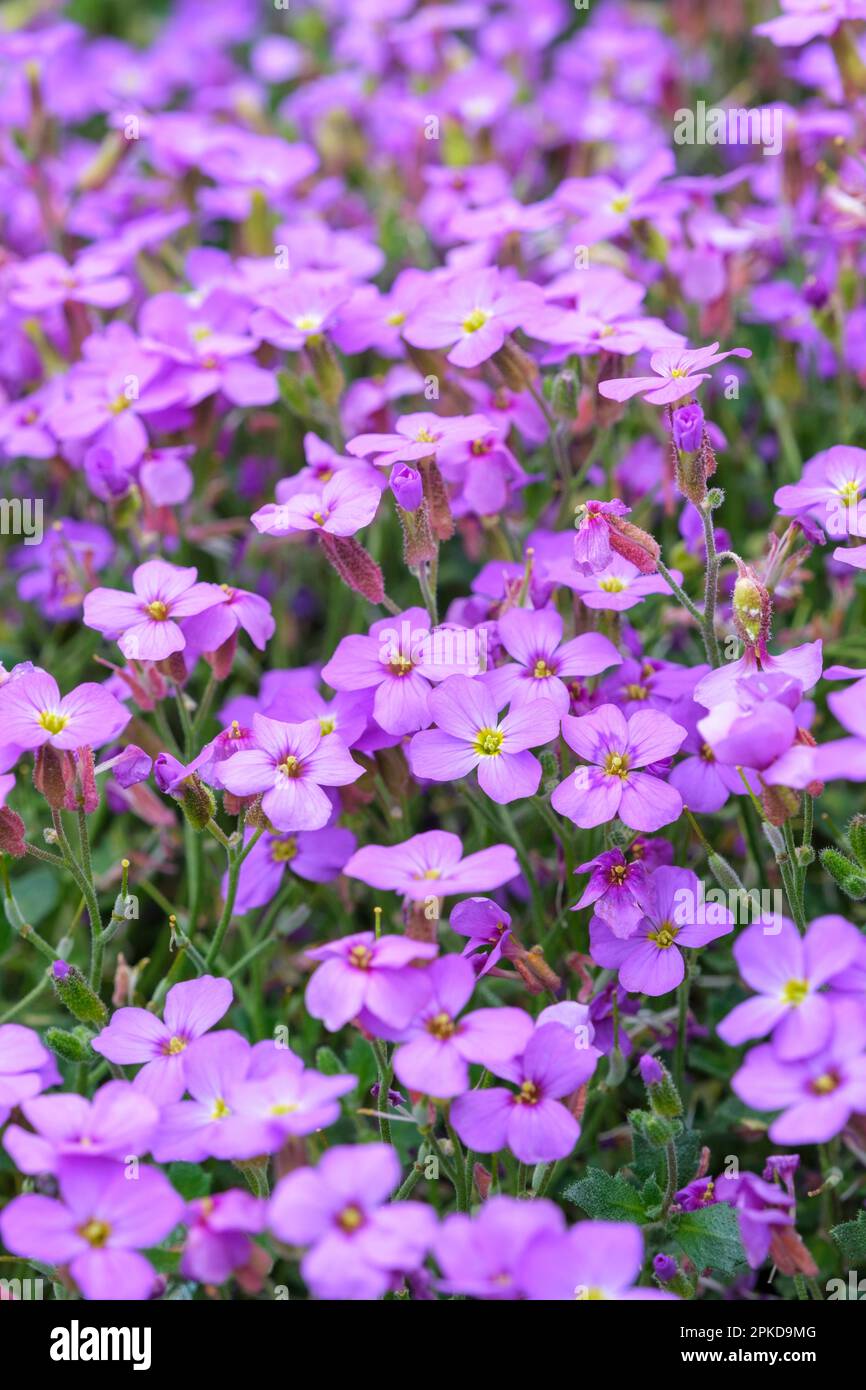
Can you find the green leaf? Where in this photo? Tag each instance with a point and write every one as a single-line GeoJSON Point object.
{"type": "Point", "coordinates": [710, 1237]}
{"type": "Point", "coordinates": [653, 1199]}
{"type": "Point", "coordinates": [36, 893]}
{"type": "Point", "coordinates": [190, 1180]}
{"type": "Point", "coordinates": [607, 1198]}
{"type": "Point", "coordinates": [851, 1239]}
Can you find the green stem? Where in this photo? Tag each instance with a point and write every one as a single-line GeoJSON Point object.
{"type": "Point", "coordinates": [708, 622]}
{"type": "Point", "coordinates": [386, 1072]}
{"type": "Point", "coordinates": [673, 1181]}
{"type": "Point", "coordinates": [235, 860]}
{"type": "Point", "coordinates": [682, 1027]}
{"type": "Point", "coordinates": [679, 593]}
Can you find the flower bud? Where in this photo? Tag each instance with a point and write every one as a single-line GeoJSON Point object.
{"type": "Point", "coordinates": [751, 608]}
{"type": "Point", "coordinates": [69, 1046]}
{"type": "Point", "coordinates": [132, 766]}
{"type": "Point", "coordinates": [636, 545]}
{"type": "Point", "coordinates": [857, 838]}
{"type": "Point", "coordinates": [326, 369]}
{"type": "Point", "coordinates": [850, 877]}
{"type": "Point", "coordinates": [664, 1267]}
{"type": "Point", "coordinates": [436, 496]}
{"type": "Point", "coordinates": [564, 397]}
{"type": "Point", "coordinates": [407, 486]}
{"type": "Point", "coordinates": [663, 1095]}
{"type": "Point", "coordinates": [76, 995]}
{"type": "Point", "coordinates": [651, 1073]}
{"type": "Point", "coordinates": [687, 428]}
{"type": "Point", "coordinates": [354, 565]}
{"type": "Point", "coordinates": [11, 833]}
{"type": "Point", "coordinates": [518, 369]}
{"type": "Point", "coordinates": [779, 803]}
{"type": "Point", "coordinates": [53, 774]}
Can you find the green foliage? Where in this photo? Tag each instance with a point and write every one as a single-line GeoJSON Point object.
{"type": "Point", "coordinates": [190, 1180]}
{"type": "Point", "coordinates": [710, 1237]}
{"type": "Point", "coordinates": [606, 1198]}
{"type": "Point", "coordinates": [850, 1237]}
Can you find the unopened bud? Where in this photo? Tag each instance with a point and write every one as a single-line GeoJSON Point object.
{"type": "Point", "coordinates": [850, 877]}
{"type": "Point", "coordinates": [518, 369]}
{"type": "Point", "coordinates": [326, 368]}
{"type": "Point", "coordinates": [69, 1046]}
{"type": "Point", "coordinates": [751, 608]}
{"type": "Point", "coordinates": [779, 803]}
{"type": "Point", "coordinates": [11, 833]}
{"type": "Point", "coordinates": [634, 544]}
{"type": "Point", "coordinates": [76, 995]}
{"type": "Point", "coordinates": [857, 838]}
{"type": "Point", "coordinates": [354, 565]}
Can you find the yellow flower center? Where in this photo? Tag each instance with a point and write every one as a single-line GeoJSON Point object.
{"type": "Point", "coordinates": [590, 1295]}
{"type": "Point", "coordinates": [308, 323]}
{"type": "Point", "coordinates": [475, 320]}
{"type": "Point", "coordinates": [707, 753]}
{"type": "Point", "coordinates": [53, 722]}
{"type": "Point", "coordinates": [825, 1084]}
{"type": "Point", "coordinates": [612, 584]}
{"type": "Point", "coordinates": [95, 1232]}
{"type": "Point", "coordinates": [290, 767]}
{"type": "Point", "coordinates": [677, 371]}
{"type": "Point", "coordinates": [618, 873]}
{"type": "Point", "coordinates": [360, 957]}
{"type": "Point", "coordinates": [636, 692]}
{"type": "Point", "coordinates": [622, 203]}
{"type": "Point", "coordinates": [174, 1046]}
{"type": "Point", "coordinates": [396, 318]}
{"type": "Point", "coordinates": [528, 1094]}
{"type": "Point", "coordinates": [284, 1107]}
{"type": "Point", "coordinates": [488, 742]}
{"type": "Point", "coordinates": [220, 1109]}
{"type": "Point", "coordinates": [442, 1026]}
{"type": "Point", "coordinates": [541, 670]}
{"type": "Point", "coordinates": [850, 494]}
{"type": "Point", "coordinates": [399, 665]}
{"type": "Point", "coordinates": [157, 610]}
{"type": "Point", "coordinates": [284, 851]}
{"type": "Point", "coordinates": [665, 935]}
{"type": "Point", "coordinates": [119, 404]}
{"type": "Point", "coordinates": [616, 765]}
{"type": "Point", "coordinates": [795, 991]}
{"type": "Point", "coordinates": [320, 517]}
{"type": "Point", "coordinates": [327, 724]}
{"type": "Point", "coordinates": [425, 437]}
{"type": "Point", "coordinates": [350, 1218]}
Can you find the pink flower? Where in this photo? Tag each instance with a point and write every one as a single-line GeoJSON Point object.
{"type": "Point", "coordinates": [291, 765]}
{"type": "Point", "coordinates": [618, 748]}
{"type": "Point", "coordinates": [33, 713]}
{"type": "Point", "coordinates": [472, 315]}
{"type": "Point", "coordinates": [433, 863]}
{"type": "Point", "coordinates": [145, 623]}
{"type": "Point", "coordinates": [679, 372]}
{"type": "Point", "coordinates": [345, 504]}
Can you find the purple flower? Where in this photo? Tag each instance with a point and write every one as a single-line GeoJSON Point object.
{"type": "Point", "coordinates": [365, 973]}
{"type": "Point", "coordinates": [816, 1094]}
{"type": "Point", "coordinates": [346, 504]}
{"type": "Point", "coordinates": [486, 1255]}
{"type": "Point", "coordinates": [360, 1243]}
{"type": "Point", "coordinates": [117, 1122]}
{"type": "Point", "coordinates": [593, 551]}
{"type": "Point", "coordinates": [471, 735]}
{"type": "Point", "coordinates": [545, 664]}
{"type": "Point", "coordinates": [761, 1207]}
{"type": "Point", "coordinates": [33, 713]}
{"type": "Point", "coordinates": [618, 587]}
{"type": "Point", "coordinates": [26, 1067]}
{"type": "Point", "coordinates": [315, 855]}
{"type": "Point", "coordinates": [145, 623]}
{"type": "Point", "coordinates": [651, 1073]}
{"type": "Point", "coordinates": [416, 437]}
{"type": "Point", "coordinates": [679, 372]}
{"type": "Point", "coordinates": [218, 1236]}
{"type": "Point", "coordinates": [675, 915]}
{"type": "Point", "coordinates": [471, 314]}
{"type": "Point", "coordinates": [407, 487]}
{"type": "Point", "coordinates": [137, 1035]}
{"type": "Point", "coordinates": [617, 748]}
{"type": "Point", "coordinates": [433, 863]}
{"type": "Point", "coordinates": [97, 1226]}
{"type": "Point", "coordinates": [438, 1044]}
{"type": "Point", "coordinates": [530, 1121]}
{"type": "Point", "coordinates": [687, 428]}
{"type": "Point", "coordinates": [291, 765]}
{"type": "Point", "coordinates": [487, 925]}
{"type": "Point", "coordinates": [595, 1261]}
{"type": "Point", "coordinates": [611, 890]}
{"type": "Point", "coordinates": [831, 490]}
{"type": "Point", "coordinates": [664, 1267]}
{"type": "Point", "coordinates": [245, 1101]}
{"type": "Point", "coordinates": [131, 766]}
{"type": "Point", "coordinates": [788, 971]}
{"type": "Point", "coordinates": [232, 610]}
{"type": "Point", "coordinates": [805, 20]}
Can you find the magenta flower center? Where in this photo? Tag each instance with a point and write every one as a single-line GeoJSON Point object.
{"type": "Point", "coordinates": [616, 765]}
{"type": "Point", "coordinates": [95, 1232]}
{"type": "Point", "coordinates": [157, 610]}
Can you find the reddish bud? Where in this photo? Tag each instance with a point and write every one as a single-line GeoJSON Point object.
{"type": "Point", "coordinates": [354, 565]}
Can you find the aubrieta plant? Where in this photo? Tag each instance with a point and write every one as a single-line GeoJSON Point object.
{"type": "Point", "coordinates": [433, 697]}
